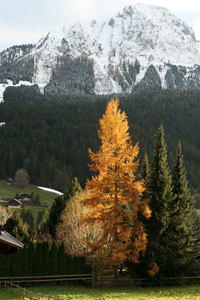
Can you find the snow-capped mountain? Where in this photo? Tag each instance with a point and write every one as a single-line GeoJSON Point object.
{"type": "Point", "coordinates": [144, 47]}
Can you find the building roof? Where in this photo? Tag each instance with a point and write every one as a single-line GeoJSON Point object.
{"type": "Point", "coordinates": [10, 179]}
{"type": "Point", "coordinates": [7, 238]}
{"type": "Point", "coordinates": [18, 201]}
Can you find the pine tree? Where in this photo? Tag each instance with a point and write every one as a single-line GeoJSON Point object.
{"type": "Point", "coordinates": [37, 201]}
{"type": "Point", "coordinates": [5, 266]}
{"type": "Point", "coordinates": [30, 257]}
{"type": "Point", "coordinates": [73, 188]}
{"type": "Point", "coordinates": [160, 191]}
{"type": "Point", "coordinates": [24, 261]}
{"type": "Point", "coordinates": [14, 226]}
{"type": "Point", "coordinates": [78, 264]}
{"type": "Point", "coordinates": [13, 265]}
{"type": "Point", "coordinates": [61, 259]}
{"type": "Point", "coordinates": [38, 260]}
{"type": "Point", "coordinates": [29, 219]}
{"type": "Point", "coordinates": [53, 260]}
{"type": "Point", "coordinates": [17, 195]}
{"type": "Point", "coordinates": [114, 197]}
{"type": "Point", "coordinates": [18, 257]}
{"type": "Point", "coordinates": [23, 214]}
{"type": "Point", "coordinates": [182, 237]}
{"type": "Point", "coordinates": [147, 262]}
{"type": "Point", "coordinates": [69, 266]}
{"type": "Point", "coordinates": [45, 254]}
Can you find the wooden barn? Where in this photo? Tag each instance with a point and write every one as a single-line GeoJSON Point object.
{"type": "Point", "coordinates": [25, 197]}
{"type": "Point", "coordinates": [9, 181]}
{"type": "Point", "coordinates": [9, 244]}
{"type": "Point", "coordinates": [15, 203]}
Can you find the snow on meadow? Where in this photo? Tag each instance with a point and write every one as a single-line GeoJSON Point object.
{"type": "Point", "coordinates": [50, 190]}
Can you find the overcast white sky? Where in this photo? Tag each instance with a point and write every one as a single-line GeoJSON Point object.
{"type": "Point", "coordinates": [26, 21]}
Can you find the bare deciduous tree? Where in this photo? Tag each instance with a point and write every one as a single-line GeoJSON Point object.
{"type": "Point", "coordinates": [22, 177]}
{"type": "Point", "coordinates": [75, 236]}
{"type": "Point", "coordinates": [5, 214]}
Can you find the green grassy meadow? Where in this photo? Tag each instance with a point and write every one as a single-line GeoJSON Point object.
{"type": "Point", "coordinates": [131, 293]}
{"type": "Point", "coordinates": [8, 192]}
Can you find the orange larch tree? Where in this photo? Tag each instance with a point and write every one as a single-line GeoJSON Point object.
{"type": "Point", "coordinates": [113, 196]}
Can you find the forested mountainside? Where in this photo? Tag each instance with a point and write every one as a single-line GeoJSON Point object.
{"type": "Point", "coordinates": [50, 136]}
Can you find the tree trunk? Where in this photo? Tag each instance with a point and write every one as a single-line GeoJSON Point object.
{"type": "Point", "coordinates": [116, 277]}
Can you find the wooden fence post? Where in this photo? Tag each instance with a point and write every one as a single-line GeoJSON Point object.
{"type": "Point", "coordinates": [49, 297]}
{"type": "Point", "coordinates": [30, 295]}
{"type": "Point", "coordinates": [5, 284]}
{"type": "Point", "coordinates": [23, 293]}
{"type": "Point", "coordinates": [39, 296]}
{"type": "Point", "coordinates": [11, 287]}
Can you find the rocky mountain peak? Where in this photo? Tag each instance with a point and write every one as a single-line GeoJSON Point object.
{"type": "Point", "coordinates": [114, 57]}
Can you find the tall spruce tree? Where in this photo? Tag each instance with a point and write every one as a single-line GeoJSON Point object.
{"type": "Point", "coordinates": [182, 236]}
{"type": "Point", "coordinates": [160, 191]}
{"type": "Point", "coordinates": [147, 261]}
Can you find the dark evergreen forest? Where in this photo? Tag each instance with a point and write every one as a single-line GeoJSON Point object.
{"type": "Point", "coordinates": [49, 136]}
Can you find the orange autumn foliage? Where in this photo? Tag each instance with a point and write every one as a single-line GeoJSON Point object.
{"type": "Point", "coordinates": [114, 197]}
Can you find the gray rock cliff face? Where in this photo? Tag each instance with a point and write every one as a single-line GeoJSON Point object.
{"type": "Point", "coordinates": [143, 47]}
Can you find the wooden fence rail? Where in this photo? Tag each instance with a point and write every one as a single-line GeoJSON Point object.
{"type": "Point", "coordinates": [25, 293]}
{"type": "Point", "coordinates": [146, 282]}
{"type": "Point", "coordinates": [97, 284]}
{"type": "Point", "coordinates": [50, 278]}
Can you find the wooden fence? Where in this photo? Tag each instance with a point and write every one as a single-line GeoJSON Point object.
{"type": "Point", "coordinates": [139, 282]}
{"type": "Point", "coordinates": [51, 278]}
{"type": "Point", "coordinates": [25, 293]}
{"type": "Point", "coordinates": [9, 283]}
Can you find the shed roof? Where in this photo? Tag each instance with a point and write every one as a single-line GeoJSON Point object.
{"type": "Point", "coordinates": [7, 238]}
{"type": "Point", "coordinates": [16, 200]}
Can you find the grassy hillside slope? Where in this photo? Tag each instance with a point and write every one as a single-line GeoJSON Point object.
{"type": "Point", "coordinates": [8, 192]}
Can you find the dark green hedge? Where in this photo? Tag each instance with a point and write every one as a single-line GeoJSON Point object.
{"type": "Point", "coordinates": [42, 261]}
